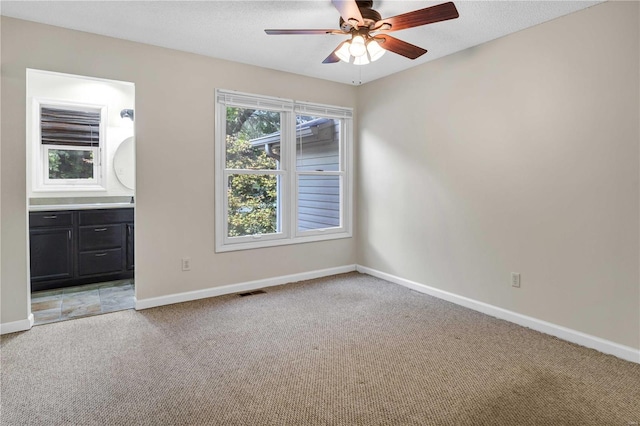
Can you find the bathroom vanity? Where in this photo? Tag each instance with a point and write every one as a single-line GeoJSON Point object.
{"type": "Point", "coordinates": [72, 245]}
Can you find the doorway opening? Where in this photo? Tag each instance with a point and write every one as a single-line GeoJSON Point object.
{"type": "Point", "coordinates": [81, 195]}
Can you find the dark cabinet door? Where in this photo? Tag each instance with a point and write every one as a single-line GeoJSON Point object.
{"type": "Point", "coordinates": [130, 257]}
{"type": "Point", "coordinates": [51, 253]}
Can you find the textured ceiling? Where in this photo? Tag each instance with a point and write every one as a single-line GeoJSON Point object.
{"type": "Point", "coordinates": [234, 30]}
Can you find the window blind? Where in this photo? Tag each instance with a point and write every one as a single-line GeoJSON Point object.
{"type": "Point", "coordinates": [69, 127]}
{"type": "Point", "coordinates": [323, 110]}
{"type": "Point", "coordinates": [239, 99]}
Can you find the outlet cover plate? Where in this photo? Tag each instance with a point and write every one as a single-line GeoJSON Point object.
{"type": "Point", "coordinates": [186, 263]}
{"type": "Point", "coordinates": [515, 279]}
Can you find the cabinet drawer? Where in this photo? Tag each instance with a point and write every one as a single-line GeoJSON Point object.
{"type": "Point", "coordinates": [100, 262]}
{"type": "Point", "coordinates": [41, 219]}
{"type": "Point", "coordinates": [98, 217]}
{"type": "Point", "coordinates": [100, 237]}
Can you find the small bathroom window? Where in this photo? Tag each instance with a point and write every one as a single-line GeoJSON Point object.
{"type": "Point", "coordinates": [68, 139]}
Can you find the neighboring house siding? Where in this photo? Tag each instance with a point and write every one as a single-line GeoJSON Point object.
{"type": "Point", "coordinates": [318, 149]}
{"type": "Point", "coordinates": [319, 202]}
{"type": "Point", "coordinates": [319, 196]}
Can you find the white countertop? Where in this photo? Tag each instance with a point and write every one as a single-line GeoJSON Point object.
{"type": "Point", "coordinates": [89, 206]}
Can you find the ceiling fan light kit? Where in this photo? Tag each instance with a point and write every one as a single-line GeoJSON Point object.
{"type": "Point", "coordinates": [362, 52]}
{"type": "Point", "coordinates": [361, 60]}
{"type": "Point", "coordinates": [357, 47]}
{"type": "Point", "coordinates": [374, 50]}
{"type": "Point", "coordinates": [343, 51]}
{"type": "Point", "coordinates": [369, 38]}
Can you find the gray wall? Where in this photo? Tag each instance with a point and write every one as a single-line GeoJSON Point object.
{"type": "Point", "coordinates": [517, 155]}
{"type": "Point", "coordinates": [175, 154]}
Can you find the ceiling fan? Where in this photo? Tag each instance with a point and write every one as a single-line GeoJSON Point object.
{"type": "Point", "coordinates": [369, 32]}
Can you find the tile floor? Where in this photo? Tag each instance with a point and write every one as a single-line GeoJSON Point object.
{"type": "Point", "coordinates": [73, 302]}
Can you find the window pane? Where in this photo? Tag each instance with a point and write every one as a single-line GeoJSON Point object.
{"type": "Point", "coordinates": [317, 144]}
{"type": "Point", "coordinates": [253, 205]}
{"type": "Point", "coordinates": [318, 202]}
{"type": "Point", "coordinates": [70, 164]}
{"type": "Point", "coordinates": [252, 139]}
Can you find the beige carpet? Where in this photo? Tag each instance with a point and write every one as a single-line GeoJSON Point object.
{"type": "Point", "coordinates": [346, 350]}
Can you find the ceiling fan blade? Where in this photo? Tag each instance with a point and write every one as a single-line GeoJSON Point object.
{"type": "Point", "coordinates": [400, 47]}
{"type": "Point", "coordinates": [331, 59]}
{"type": "Point", "coordinates": [349, 11]}
{"type": "Point", "coordinates": [301, 31]}
{"type": "Point", "coordinates": [429, 15]}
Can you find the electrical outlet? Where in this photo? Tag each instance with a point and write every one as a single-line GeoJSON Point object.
{"type": "Point", "coordinates": [186, 263]}
{"type": "Point", "coordinates": [515, 279]}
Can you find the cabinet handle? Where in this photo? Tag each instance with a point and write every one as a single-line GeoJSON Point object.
{"type": "Point", "coordinates": [100, 229]}
{"type": "Point", "coordinates": [69, 233]}
{"type": "Point", "coordinates": [101, 254]}
{"type": "Point", "coordinates": [49, 217]}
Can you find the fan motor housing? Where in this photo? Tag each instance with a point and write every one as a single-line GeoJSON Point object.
{"type": "Point", "coordinates": [369, 15]}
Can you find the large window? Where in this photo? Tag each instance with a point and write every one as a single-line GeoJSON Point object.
{"type": "Point", "coordinates": [68, 146]}
{"type": "Point", "coordinates": [282, 171]}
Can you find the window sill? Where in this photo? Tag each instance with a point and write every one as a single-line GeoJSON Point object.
{"type": "Point", "coordinates": [252, 245]}
{"type": "Point", "coordinates": [70, 188]}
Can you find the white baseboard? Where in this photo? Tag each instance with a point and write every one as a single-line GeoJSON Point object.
{"type": "Point", "coordinates": [15, 326]}
{"type": "Point", "coordinates": [564, 333]}
{"type": "Point", "coordinates": [240, 287]}
{"type": "Point", "coordinates": [583, 339]}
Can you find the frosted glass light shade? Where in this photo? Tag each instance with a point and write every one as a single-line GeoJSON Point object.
{"type": "Point", "coordinates": [375, 51]}
{"type": "Point", "coordinates": [343, 52]}
{"type": "Point", "coordinates": [361, 60]}
{"type": "Point", "coordinates": [357, 47]}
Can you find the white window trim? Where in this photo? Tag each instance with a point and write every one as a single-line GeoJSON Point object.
{"type": "Point", "coordinates": [40, 183]}
{"type": "Point", "coordinates": [289, 233]}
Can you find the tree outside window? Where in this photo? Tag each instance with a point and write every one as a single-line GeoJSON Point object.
{"type": "Point", "coordinates": [252, 198]}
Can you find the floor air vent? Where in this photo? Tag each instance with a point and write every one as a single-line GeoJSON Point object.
{"type": "Point", "coordinates": [251, 293]}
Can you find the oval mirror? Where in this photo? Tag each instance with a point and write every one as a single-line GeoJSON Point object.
{"type": "Point", "coordinates": [124, 163]}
